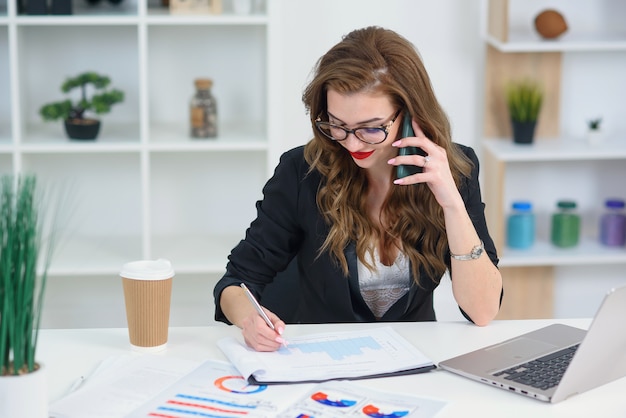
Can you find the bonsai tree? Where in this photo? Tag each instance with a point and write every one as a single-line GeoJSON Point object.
{"type": "Point", "coordinates": [99, 102]}
{"type": "Point", "coordinates": [77, 125]}
{"type": "Point", "coordinates": [524, 99]}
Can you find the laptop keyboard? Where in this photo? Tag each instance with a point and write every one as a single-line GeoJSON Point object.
{"type": "Point", "coordinates": [542, 373]}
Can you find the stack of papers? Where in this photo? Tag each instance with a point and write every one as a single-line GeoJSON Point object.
{"type": "Point", "coordinates": [134, 386]}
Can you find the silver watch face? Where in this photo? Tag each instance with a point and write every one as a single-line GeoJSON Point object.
{"type": "Point", "coordinates": [477, 251]}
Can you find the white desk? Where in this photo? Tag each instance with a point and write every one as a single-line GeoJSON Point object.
{"type": "Point", "coordinates": [68, 354]}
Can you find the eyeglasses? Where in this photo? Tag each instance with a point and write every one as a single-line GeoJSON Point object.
{"type": "Point", "coordinates": [369, 135]}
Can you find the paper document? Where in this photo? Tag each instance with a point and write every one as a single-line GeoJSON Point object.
{"type": "Point", "coordinates": [358, 354]}
{"type": "Point", "coordinates": [127, 382]}
{"type": "Point", "coordinates": [215, 389]}
{"type": "Point", "coordinates": [345, 399]}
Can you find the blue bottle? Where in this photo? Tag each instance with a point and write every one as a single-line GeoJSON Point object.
{"type": "Point", "coordinates": [521, 226]}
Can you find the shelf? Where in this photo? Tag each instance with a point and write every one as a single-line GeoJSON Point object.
{"type": "Point", "coordinates": [519, 42]}
{"type": "Point", "coordinates": [91, 255]}
{"type": "Point", "coordinates": [82, 13]}
{"type": "Point", "coordinates": [545, 254]}
{"type": "Point", "coordinates": [75, 20]}
{"type": "Point", "coordinates": [88, 256]}
{"type": "Point", "coordinates": [232, 137]}
{"type": "Point", "coordinates": [50, 137]}
{"type": "Point", "coordinates": [563, 149]}
{"type": "Point", "coordinates": [162, 16]}
{"type": "Point", "coordinates": [154, 18]}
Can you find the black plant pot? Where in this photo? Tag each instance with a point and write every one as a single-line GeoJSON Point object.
{"type": "Point", "coordinates": [61, 7]}
{"type": "Point", "coordinates": [37, 7]}
{"type": "Point", "coordinates": [82, 128]}
{"type": "Point", "coordinates": [523, 132]}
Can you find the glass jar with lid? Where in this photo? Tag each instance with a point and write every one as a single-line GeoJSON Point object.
{"type": "Point", "coordinates": [565, 224]}
{"type": "Point", "coordinates": [613, 223]}
{"type": "Point", "coordinates": [521, 225]}
{"type": "Point", "coordinates": [203, 110]}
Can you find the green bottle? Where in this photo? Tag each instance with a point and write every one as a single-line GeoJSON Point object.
{"type": "Point", "coordinates": [565, 225]}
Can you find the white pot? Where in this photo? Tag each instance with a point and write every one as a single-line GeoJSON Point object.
{"type": "Point", "coordinates": [594, 136]}
{"type": "Point", "coordinates": [24, 396]}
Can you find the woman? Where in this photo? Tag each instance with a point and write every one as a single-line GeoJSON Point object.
{"type": "Point", "coordinates": [369, 246]}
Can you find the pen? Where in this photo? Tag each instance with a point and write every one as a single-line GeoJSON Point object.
{"type": "Point", "coordinates": [257, 306]}
{"type": "Point", "coordinates": [77, 384]}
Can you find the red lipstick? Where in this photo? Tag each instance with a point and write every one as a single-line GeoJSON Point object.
{"type": "Point", "coordinates": [361, 155]}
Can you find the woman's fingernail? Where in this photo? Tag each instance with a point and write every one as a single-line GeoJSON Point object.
{"type": "Point", "coordinates": [280, 330]}
{"type": "Point", "coordinates": [393, 160]}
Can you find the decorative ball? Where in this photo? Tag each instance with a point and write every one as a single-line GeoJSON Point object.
{"type": "Point", "coordinates": [550, 24]}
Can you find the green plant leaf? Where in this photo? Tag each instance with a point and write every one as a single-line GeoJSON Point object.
{"type": "Point", "coordinates": [21, 287]}
{"type": "Point", "coordinates": [524, 99]}
{"type": "Point", "coordinates": [94, 97]}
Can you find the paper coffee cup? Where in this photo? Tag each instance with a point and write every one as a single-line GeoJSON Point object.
{"type": "Point", "coordinates": [147, 295]}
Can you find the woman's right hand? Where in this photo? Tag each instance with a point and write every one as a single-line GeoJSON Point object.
{"type": "Point", "coordinates": [261, 337]}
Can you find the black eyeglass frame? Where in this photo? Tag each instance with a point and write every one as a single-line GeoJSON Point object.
{"type": "Point", "coordinates": [384, 128]}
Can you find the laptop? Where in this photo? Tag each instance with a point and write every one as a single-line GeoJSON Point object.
{"type": "Point", "coordinates": [588, 358]}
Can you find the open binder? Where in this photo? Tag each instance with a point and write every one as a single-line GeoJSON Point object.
{"type": "Point", "coordinates": [348, 355]}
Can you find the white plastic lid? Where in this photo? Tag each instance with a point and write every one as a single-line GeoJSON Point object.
{"type": "Point", "coordinates": [160, 269]}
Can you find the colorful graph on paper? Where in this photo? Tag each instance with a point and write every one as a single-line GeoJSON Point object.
{"type": "Point", "coordinates": [347, 399]}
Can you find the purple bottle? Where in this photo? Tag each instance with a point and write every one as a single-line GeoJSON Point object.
{"type": "Point", "coordinates": [613, 224]}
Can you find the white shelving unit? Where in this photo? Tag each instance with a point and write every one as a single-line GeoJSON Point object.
{"type": "Point", "coordinates": [560, 163]}
{"type": "Point", "coordinates": [144, 189]}
{"type": "Point", "coordinates": [585, 173]}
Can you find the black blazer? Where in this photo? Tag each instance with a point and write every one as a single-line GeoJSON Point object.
{"type": "Point", "coordinates": [288, 225]}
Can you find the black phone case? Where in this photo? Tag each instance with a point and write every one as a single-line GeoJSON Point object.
{"type": "Point", "coordinates": [407, 130]}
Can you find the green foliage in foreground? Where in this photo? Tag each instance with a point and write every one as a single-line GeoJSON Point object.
{"type": "Point", "coordinates": [21, 287]}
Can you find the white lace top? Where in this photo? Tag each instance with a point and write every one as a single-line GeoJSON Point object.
{"type": "Point", "coordinates": [386, 285]}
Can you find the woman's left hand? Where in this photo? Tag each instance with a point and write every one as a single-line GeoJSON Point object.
{"type": "Point", "coordinates": [435, 167]}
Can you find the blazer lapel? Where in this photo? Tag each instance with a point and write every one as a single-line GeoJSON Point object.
{"type": "Point", "coordinates": [362, 312]}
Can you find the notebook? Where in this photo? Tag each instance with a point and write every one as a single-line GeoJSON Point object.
{"type": "Point", "coordinates": [589, 358]}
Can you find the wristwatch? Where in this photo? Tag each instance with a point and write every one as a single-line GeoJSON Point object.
{"type": "Point", "coordinates": [473, 255]}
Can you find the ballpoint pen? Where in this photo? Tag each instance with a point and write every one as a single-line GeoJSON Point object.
{"type": "Point", "coordinates": [257, 306]}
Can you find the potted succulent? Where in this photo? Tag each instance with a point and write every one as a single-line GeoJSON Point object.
{"type": "Point", "coordinates": [23, 389]}
{"type": "Point", "coordinates": [77, 124]}
{"type": "Point", "coordinates": [594, 131]}
{"type": "Point", "coordinates": [524, 99]}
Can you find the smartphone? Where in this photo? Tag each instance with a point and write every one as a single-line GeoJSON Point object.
{"type": "Point", "coordinates": [407, 130]}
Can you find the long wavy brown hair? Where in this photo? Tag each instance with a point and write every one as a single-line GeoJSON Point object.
{"type": "Point", "coordinates": [379, 60]}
